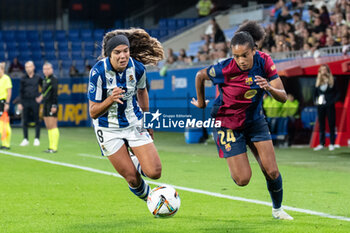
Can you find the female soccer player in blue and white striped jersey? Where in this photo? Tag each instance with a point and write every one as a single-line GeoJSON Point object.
{"type": "Point", "coordinates": [117, 98]}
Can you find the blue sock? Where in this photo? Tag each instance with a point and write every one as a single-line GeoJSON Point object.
{"type": "Point", "coordinates": [142, 191]}
{"type": "Point", "coordinates": [276, 191]}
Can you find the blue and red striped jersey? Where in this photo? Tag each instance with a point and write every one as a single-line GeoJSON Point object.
{"type": "Point", "coordinates": [240, 98]}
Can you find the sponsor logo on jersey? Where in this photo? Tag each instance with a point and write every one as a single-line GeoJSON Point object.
{"type": "Point", "coordinates": [131, 78]}
{"type": "Point", "coordinates": [250, 94]}
{"type": "Point", "coordinates": [273, 67]}
{"type": "Point", "coordinates": [227, 147]}
{"type": "Point", "coordinates": [249, 81]}
{"type": "Point", "coordinates": [92, 88]}
{"type": "Point", "coordinates": [212, 72]}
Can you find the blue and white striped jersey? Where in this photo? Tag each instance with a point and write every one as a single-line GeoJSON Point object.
{"type": "Point", "coordinates": [103, 79]}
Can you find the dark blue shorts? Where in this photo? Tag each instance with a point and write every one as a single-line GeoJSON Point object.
{"type": "Point", "coordinates": [234, 142]}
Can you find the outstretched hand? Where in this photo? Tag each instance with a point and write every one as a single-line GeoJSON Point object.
{"type": "Point", "coordinates": [195, 103]}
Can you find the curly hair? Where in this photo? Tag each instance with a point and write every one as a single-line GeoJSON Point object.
{"type": "Point", "coordinates": [254, 29]}
{"type": "Point", "coordinates": [143, 47]}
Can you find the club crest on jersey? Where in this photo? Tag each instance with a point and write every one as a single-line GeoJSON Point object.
{"type": "Point", "coordinates": [131, 78]}
{"type": "Point", "coordinates": [227, 147]}
{"type": "Point", "coordinates": [212, 72]}
{"type": "Point", "coordinates": [250, 94]}
{"type": "Point", "coordinates": [249, 81]}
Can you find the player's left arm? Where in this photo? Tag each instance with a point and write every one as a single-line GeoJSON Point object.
{"type": "Point", "coordinates": [274, 87]}
{"type": "Point", "coordinates": [272, 82]}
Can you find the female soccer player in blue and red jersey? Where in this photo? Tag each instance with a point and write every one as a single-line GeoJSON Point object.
{"type": "Point", "coordinates": [242, 81]}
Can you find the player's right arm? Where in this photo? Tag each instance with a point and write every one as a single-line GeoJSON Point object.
{"type": "Point", "coordinates": [97, 109]}
{"type": "Point", "coordinates": [201, 76]}
{"type": "Point", "coordinates": [97, 105]}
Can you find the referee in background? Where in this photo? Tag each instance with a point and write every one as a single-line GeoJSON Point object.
{"type": "Point", "coordinates": [30, 102]}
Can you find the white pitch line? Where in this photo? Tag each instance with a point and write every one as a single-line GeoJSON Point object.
{"type": "Point", "coordinates": [311, 212]}
{"type": "Point", "coordinates": [91, 156]}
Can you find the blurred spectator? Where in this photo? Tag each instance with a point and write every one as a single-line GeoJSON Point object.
{"type": "Point", "coordinates": [87, 70]}
{"type": "Point", "coordinates": [73, 71]}
{"type": "Point", "coordinates": [182, 55]}
{"type": "Point", "coordinates": [284, 16]}
{"type": "Point", "coordinates": [218, 35]}
{"type": "Point", "coordinates": [16, 68]}
{"type": "Point", "coordinates": [324, 16]}
{"type": "Point", "coordinates": [330, 42]}
{"type": "Point", "coordinates": [325, 96]}
{"type": "Point", "coordinates": [204, 8]}
{"type": "Point", "coordinates": [171, 57]}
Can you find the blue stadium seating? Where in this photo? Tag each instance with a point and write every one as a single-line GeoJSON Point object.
{"type": "Point", "coordinates": [21, 36]}
{"type": "Point", "coordinates": [308, 117]}
{"type": "Point", "coordinates": [35, 45]}
{"type": "Point", "coordinates": [23, 46]}
{"type": "Point", "coordinates": [73, 35]}
{"type": "Point", "coordinates": [76, 46]}
{"type": "Point", "coordinates": [62, 46]}
{"type": "Point", "coordinates": [9, 36]}
{"type": "Point", "coordinates": [60, 35]}
{"type": "Point", "coordinates": [36, 55]}
{"type": "Point", "coordinates": [98, 34]}
{"type": "Point", "coordinates": [33, 36]}
{"type": "Point", "coordinates": [86, 34]}
{"type": "Point", "coordinates": [66, 64]}
{"type": "Point", "coordinates": [49, 46]}
{"type": "Point", "coordinates": [50, 55]}
{"type": "Point", "coordinates": [11, 46]}
{"type": "Point", "coordinates": [80, 65]}
{"type": "Point", "coordinates": [47, 35]}
{"type": "Point", "coordinates": [63, 55]}
{"type": "Point", "coordinates": [12, 54]}
{"type": "Point", "coordinates": [77, 55]}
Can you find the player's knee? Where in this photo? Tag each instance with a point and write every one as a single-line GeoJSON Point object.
{"type": "Point", "coordinates": [132, 180]}
{"type": "Point", "coordinates": [155, 173]}
{"type": "Point", "coordinates": [273, 174]}
{"type": "Point", "coordinates": [241, 181]}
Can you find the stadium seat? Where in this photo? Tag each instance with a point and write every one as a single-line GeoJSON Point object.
{"type": "Point", "coordinates": [23, 46]}
{"type": "Point", "coordinates": [50, 55]}
{"type": "Point", "coordinates": [162, 24]}
{"type": "Point", "coordinates": [36, 55]}
{"type": "Point", "coordinates": [80, 65]}
{"type": "Point", "coordinates": [180, 23]}
{"type": "Point", "coordinates": [98, 34]}
{"type": "Point", "coordinates": [60, 35]}
{"type": "Point", "coordinates": [73, 35]}
{"type": "Point", "coordinates": [76, 46]}
{"type": "Point", "coordinates": [308, 117]}
{"type": "Point", "coordinates": [11, 46]}
{"type": "Point", "coordinates": [35, 45]}
{"type": "Point", "coordinates": [190, 21]}
{"type": "Point", "coordinates": [86, 34]}
{"type": "Point", "coordinates": [9, 36]}
{"type": "Point", "coordinates": [49, 46]}
{"type": "Point", "coordinates": [63, 55]}
{"type": "Point", "coordinates": [77, 55]}
{"type": "Point", "coordinates": [12, 54]}
{"type": "Point", "coordinates": [1, 39]}
{"type": "Point", "coordinates": [171, 24]}
{"type": "Point", "coordinates": [2, 55]}
{"type": "Point", "coordinates": [24, 56]}
{"type": "Point", "coordinates": [21, 36]}
{"type": "Point", "coordinates": [33, 36]}
{"type": "Point", "coordinates": [47, 36]}
{"type": "Point", "coordinates": [62, 46]}
{"type": "Point", "coordinates": [91, 61]}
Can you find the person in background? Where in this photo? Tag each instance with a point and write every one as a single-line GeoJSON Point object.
{"type": "Point", "coordinates": [325, 96]}
{"type": "Point", "coordinates": [16, 68]}
{"type": "Point", "coordinates": [5, 98]}
{"type": "Point", "coordinates": [49, 96]}
{"type": "Point", "coordinates": [30, 102]}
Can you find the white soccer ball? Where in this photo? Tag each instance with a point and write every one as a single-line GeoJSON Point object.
{"type": "Point", "coordinates": [163, 201]}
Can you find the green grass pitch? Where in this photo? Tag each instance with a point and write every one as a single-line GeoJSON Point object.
{"type": "Point", "coordinates": [41, 197]}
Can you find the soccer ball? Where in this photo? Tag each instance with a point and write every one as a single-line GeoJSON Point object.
{"type": "Point", "coordinates": [163, 201]}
